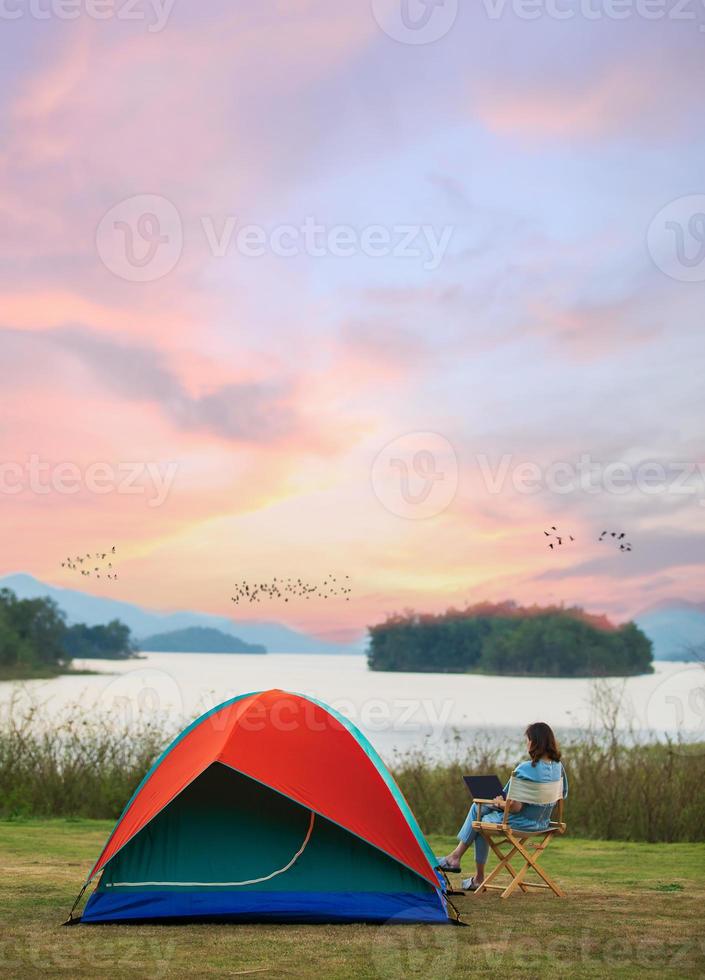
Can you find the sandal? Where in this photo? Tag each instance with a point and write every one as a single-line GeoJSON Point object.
{"type": "Point", "coordinates": [470, 885]}
{"type": "Point", "coordinates": [453, 869]}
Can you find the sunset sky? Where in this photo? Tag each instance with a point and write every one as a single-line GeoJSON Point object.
{"type": "Point", "coordinates": [306, 398]}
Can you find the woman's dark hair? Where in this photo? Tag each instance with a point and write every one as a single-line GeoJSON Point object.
{"type": "Point", "coordinates": [542, 742]}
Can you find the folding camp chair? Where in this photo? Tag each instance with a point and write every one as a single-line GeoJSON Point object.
{"type": "Point", "coordinates": [527, 844]}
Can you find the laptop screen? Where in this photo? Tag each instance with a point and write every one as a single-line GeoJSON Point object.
{"type": "Point", "coordinates": [484, 787]}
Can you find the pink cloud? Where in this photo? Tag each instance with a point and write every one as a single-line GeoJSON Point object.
{"type": "Point", "coordinates": [648, 94]}
{"type": "Point", "coordinates": [589, 331]}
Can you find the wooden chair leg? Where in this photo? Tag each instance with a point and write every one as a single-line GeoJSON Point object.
{"type": "Point", "coordinates": [503, 862]}
{"type": "Point", "coordinates": [544, 874]}
{"type": "Point", "coordinates": [531, 862]}
{"type": "Point", "coordinates": [502, 859]}
{"type": "Point", "coordinates": [516, 882]}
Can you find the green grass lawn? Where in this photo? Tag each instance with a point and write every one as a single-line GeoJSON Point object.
{"type": "Point", "coordinates": [630, 909]}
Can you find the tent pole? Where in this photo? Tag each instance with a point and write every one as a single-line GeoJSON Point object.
{"type": "Point", "coordinates": [71, 921]}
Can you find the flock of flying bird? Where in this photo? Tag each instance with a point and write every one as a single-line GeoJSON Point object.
{"type": "Point", "coordinates": [294, 588]}
{"type": "Point", "coordinates": [290, 588]}
{"type": "Point", "coordinates": [75, 564]}
{"type": "Point", "coordinates": [618, 537]}
{"type": "Point", "coordinates": [278, 588]}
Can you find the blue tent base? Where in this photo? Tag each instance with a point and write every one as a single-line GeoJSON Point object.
{"type": "Point", "coordinates": [106, 906]}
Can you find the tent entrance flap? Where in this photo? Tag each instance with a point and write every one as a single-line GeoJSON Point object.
{"type": "Point", "coordinates": [228, 884]}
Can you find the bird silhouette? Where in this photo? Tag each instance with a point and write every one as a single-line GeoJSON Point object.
{"type": "Point", "coordinates": [619, 538]}
{"type": "Point", "coordinates": [559, 536]}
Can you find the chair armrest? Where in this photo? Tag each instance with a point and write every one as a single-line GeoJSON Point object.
{"type": "Point", "coordinates": [480, 803]}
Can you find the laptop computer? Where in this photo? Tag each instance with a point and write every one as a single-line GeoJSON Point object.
{"type": "Point", "coordinates": [484, 787]}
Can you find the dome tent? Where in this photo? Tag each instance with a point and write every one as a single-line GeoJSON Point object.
{"type": "Point", "coordinates": [270, 807]}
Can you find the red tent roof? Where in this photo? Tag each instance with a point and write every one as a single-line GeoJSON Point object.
{"type": "Point", "coordinates": [295, 746]}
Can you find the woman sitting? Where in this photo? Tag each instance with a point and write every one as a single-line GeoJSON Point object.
{"type": "Point", "coordinates": [544, 767]}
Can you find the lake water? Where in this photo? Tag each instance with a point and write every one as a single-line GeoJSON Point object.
{"type": "Point", "coordinates": [397, 711]}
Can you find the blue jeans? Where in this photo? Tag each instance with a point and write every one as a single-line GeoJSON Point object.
{"type": "Point", "coordinates": [468, 835]}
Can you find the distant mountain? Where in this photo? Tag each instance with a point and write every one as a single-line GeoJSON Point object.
{"type": "Point", "coordinates": [81, 607]}
{"type": "Point", "coordinates": [674, 626]}
{"type": "Point", "coordinates": [685, 604]}
{"type": "Point", "coordinates": [198, 639]}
